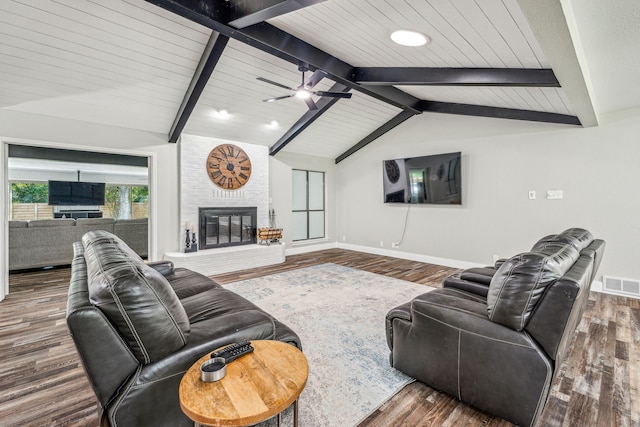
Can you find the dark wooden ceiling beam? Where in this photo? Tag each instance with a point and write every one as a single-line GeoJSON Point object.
{"type": "Point", "coordinates": [210, 57]}
{"type": "Point", "coordinates": [309, 117]}
{"type": "Point", "coordinates": [524, 77]}
{"type": "Point", "coordinates": [267, 38]}
{"type": "Point", "coordinates": [497, 112]}
{"type": "Point", "coordinates": [243, 13]}
{"type": "Point", "coordinates": [398, 119]}
{"type": "Point", "coordinates": [277, 40]}
{"type": "Point", "coordinates": [274, 41]}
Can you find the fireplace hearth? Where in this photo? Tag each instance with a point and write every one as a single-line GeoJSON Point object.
{"type": "Point", "coordinates": [223, 227]}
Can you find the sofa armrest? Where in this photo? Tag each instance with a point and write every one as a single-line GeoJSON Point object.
{"type": "Point", "coordinates": [481, 275]}
{"type": "Point", "coordinates": [156, 384]}
{"type": "Point", "coordinates": [456, 282]}
{"type": "Point", "coordinates": [163, 267]}
{"type": "Point", "coordinates": [499, 263]}
{"type": "Point", "coordinates": [208, 335]}
{"type": "Point", "coordinates": [451, 345]}
{"type": "Point", "coordinates": [402, 312]}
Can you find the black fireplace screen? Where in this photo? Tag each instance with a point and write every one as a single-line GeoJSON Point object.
{"type": "Point", "coordinates": [220, 227]}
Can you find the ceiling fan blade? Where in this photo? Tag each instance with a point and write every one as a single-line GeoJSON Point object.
{"type": "Point", "coordinates": [333, 94]}
{"type": "Point", "coordinates": [262, 79]}
{"type": "Point", "coordinates": [315, 78]}
{"type": "Point", "coordinates": [312, 105]}
{"type": "Point", "coordinates": [277, 98]}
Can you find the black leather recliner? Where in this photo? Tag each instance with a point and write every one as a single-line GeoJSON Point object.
{"type": "Point", "coordinates": [138, 327]}
{"type": "Point", "coordinates": [478, 279]}
{"type": "Point", "coordinates": [500, 351]}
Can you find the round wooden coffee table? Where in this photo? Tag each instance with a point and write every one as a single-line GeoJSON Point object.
{"type": "Point", "coordinates": [257, 386]}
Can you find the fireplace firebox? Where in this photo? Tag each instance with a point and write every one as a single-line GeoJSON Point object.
{"type": "Point", "coordinates": [222, 227]}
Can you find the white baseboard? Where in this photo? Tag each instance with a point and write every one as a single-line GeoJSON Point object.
{"type": "Point", "coordinates": [310, 248]}
{"type": "Point", "coordinates": [596, 286]}
{"type": "Point", "coordinates": [454, 263]}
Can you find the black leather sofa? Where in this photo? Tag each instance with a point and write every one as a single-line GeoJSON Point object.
{"type": "Point", "coordinates": [499, 346]}
{"type": "Point", "coordinates": [138, 327]}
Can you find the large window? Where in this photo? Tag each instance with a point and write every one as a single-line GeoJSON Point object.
{"type": "Point", "coordinates": [29, 200]}
{"type": "Point", "coordinates": [308, 205]}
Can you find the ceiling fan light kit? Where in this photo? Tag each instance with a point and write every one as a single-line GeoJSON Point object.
{"type": "Point", "coordinates": [304, 91]}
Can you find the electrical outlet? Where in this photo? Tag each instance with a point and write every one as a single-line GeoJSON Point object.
{"type": "Point", "coordinates": [554, 194]}
{"type": "Point", "coordinates": [381, 244]}
{"type": "Point", "coordinates": [395, 245]}
{"type": "Point", "coordinates": [344, 238]}
{"type": "Point", "coordinates": [532, 194]}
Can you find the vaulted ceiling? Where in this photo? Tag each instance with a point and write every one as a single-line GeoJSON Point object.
{"type": "Point", "coordinates": [173, 66]}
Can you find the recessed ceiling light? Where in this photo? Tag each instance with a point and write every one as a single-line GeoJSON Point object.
{"type": "Point", "coordinates": [220, 114]}
{"type": "Point", "coordinates": [274, 123]}
{"type": "Point", "coordinates": [409, 38]}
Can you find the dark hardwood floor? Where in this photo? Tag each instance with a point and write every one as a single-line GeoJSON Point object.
{"type": "Point", "coordinates": [42, 382]}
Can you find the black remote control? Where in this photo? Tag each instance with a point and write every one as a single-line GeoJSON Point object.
{"type": "Point", "coordinates": [233, 351]}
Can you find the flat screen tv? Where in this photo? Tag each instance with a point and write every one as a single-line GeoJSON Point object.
{"type": "Point", "coordinates": [434, 179]}
{"type": "Point", "coordinates": [72, 193]}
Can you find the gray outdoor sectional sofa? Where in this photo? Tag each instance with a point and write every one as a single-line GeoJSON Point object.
{"type": "Point", "coordinates": [49, 242]}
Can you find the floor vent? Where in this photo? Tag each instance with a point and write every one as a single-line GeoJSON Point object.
{"type": "Point", "coordinates": [621, 286]}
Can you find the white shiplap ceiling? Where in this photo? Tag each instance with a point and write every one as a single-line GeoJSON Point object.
{"type": "Point", "coordinates": [129, 63]}
{"type": "Point", "coordinates": [117, 63]}
{"type": "Point", "coordinates": [488, 33]}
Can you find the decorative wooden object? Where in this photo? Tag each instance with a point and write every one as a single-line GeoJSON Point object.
{"type": "Point", "coordinates": [257, 386]}
{"type": "Point", "coordinates": [268, 235]}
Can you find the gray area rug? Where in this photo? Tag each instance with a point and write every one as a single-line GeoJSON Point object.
{"type": "Point", "coordinates": [339, 314]}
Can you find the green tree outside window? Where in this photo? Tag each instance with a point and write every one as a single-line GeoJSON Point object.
{"type": "Point", "coordinates": [29, 192]}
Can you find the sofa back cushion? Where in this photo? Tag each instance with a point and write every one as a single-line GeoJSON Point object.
{"type": "Point", "coordinates": [18, 224]}
{"type": "Point", "coordinates": [61, 222]}
{"type": "Point", "coordinates": [578, 237]}
{"type": "Point", "coordinates": [559, 311]}
{"type": "Point", "coordinates": [520, 282]}
{"type": "Point", "coordinates": [137, 299]}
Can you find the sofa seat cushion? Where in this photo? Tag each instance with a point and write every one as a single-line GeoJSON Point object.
{"type": "Point", "coordinates": [187, 283]}
{"type": "Point", "coordinates": [521, 281]}
{"type": "Point", "coordinates": [137, 299]}
{"type": "Point", "coordinates": [455, 300]}
{"type": "Point", "coordinates": [214, 303]}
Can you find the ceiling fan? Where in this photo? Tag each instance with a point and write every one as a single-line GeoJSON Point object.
{"type": "Point", "coordinates": [304, 91]}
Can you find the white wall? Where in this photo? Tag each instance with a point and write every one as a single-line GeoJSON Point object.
{"type": "Point", "coordinates": [597, 168]}
{"type": "Point", "coordinates": [280, 184]}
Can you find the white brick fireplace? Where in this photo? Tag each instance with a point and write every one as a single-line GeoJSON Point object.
{"type": "Point", "coordinates": [197, 190]}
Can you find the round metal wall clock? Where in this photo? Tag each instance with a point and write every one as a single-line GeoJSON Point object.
{"type": "Point", "coordinates": [228, 166]}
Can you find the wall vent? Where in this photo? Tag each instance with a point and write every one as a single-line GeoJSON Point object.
{"type": "Point", "coordinates": [621, 286]}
